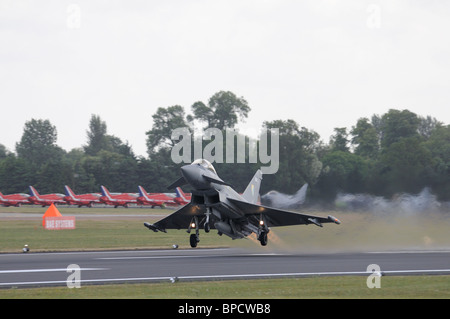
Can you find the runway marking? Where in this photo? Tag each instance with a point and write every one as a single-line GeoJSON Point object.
{"type": "Point", "coordinates": [17, 271]}
{"type": "Point", "coordinates": [410, 252]}
{"type": "Point", "coordinates": [187, 256]}
{"type": "Point", "coordinates": [155, 257]}
{"type": "Point", "coordinates": [216, 277]}
{"type": "Point", "coordinates": [97, 252]}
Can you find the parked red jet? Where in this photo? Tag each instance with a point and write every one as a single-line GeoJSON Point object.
{"type": "Point", "coordinates": [182, 197]}
{"type": "Point", "coordinates": [14, 199]}
{"type": "Point", "coordinates": [154, 199]}
{"type": "Point", "coordinates": [45, 200]}
{"type": "Point", "coordinates": [116, 200]}
{"type": "Point", "coordinates": [81, 200]}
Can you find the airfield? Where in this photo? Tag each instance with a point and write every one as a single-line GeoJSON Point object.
{"type": "Point", "coordinates": [112, 247]}
{"type": "Point", "coordinates": [128, 266]}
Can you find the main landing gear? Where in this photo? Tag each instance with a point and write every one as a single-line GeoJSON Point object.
{"type": "Point", "coordinates": [263, 238]}
{"type": "Point", "coordinates": [263, 230]}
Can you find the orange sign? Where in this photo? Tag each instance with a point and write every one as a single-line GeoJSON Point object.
{"type": "Point", "coordinates": [67, 222]}
{"type": "Point", "coordinates": [52, 219]}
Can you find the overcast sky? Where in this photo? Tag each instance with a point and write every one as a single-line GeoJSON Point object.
{"type": "Point", "coordinates": [323, 64]}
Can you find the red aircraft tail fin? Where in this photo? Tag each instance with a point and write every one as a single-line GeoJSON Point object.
{"type": "Point", "coordinates": [181, 194]}
{"type": "Point", "coordinates": [69, 192]}
{"type": "Point", "coordinates": [105, 192]}
{"type": "Point", "coordinates": [34, 192]}
{"type": "Point", "coordinates": [143, 192]}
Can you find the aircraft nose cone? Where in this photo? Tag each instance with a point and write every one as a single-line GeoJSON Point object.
{"type": "Point", "coordinates": [192, 174]}
{"type": "Point", "coordinates": [189, 173]}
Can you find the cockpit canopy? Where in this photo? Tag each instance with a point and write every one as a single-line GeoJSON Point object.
{"type": "Point", "coordinates": [205, 163]}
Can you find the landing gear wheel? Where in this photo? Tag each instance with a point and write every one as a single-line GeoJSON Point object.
{"type": "Point", "coordinates": [263, 238]}
{"type": "Point", "coordinates": [207, 228]}
{"type": "Point", "coordinates": [193, 239]}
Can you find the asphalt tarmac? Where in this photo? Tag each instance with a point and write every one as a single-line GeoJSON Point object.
{"type": "Point", "coordinates": [107, 267]}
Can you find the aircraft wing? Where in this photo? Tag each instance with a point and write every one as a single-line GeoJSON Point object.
{"type": "Point", "coordinates": [276, 217]}
{"type": "Point", "coordinates": [177, 220]}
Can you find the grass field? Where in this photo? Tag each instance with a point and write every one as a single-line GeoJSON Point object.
{"type": "Point", "coordinates": [108, 228]}
{"type": "Point", "coordinates": [96, 228]}
{"type": "Point", "coordinates": [434, 287]}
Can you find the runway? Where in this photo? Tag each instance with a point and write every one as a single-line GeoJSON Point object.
{"type": "Point", "coordinates": [106, 267]}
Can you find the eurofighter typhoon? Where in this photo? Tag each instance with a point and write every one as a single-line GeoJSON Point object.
{"type": "Point", "coordinates": [216, 205]}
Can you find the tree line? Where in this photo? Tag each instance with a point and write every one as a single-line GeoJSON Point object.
{"type": "Point", "coordinates": [383, 155]}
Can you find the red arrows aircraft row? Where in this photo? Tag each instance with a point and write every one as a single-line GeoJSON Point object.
{"type": "Point", "coordinates": [113, 199]}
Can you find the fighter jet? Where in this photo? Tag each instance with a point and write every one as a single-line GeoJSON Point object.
{"type": "Point", "coordinates": [216, 205]}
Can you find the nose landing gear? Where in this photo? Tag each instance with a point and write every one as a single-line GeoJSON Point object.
{"type": "Point", "coordinates": [194, 238]}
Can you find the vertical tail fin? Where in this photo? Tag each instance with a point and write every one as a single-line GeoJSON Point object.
{"type": "Point", "coordinates": [142, 192]}
{"type": "Point", "coordinates": [69, 192]}
{"type": "Point", "coordinates": [251, 193]}
{"type": "Point", "coordinates": [105, 192]}
{"type": "Point", "coordinates": [34, 192]}
{"type": "Point", "coordinates": [181, 194]}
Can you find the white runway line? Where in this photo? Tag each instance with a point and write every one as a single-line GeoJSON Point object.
{"type": "Point", "coordinates": [17, 271]}
{"type": "Point", "coordinates": [410, 252]}
{"type": "Point", "coordinates": [225, 277]}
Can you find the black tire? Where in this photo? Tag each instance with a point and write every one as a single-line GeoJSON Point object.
{"type": "Point", "coordinates": [193, 239]}
{"type": "Point", "coordinates": [263, 238]}
{"type": "Point", "coordinates": [207, 228]}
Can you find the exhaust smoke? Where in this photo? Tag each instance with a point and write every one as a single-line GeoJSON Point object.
{"type": "Point", "coordinates": [283, 201]}
{"type": "Point", "coordinates": [424, 202]}
{"type": "Point", "coordinates": [369, 223]}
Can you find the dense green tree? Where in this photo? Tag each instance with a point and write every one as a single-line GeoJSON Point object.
{"type": "Point", "coordinates": [97, 136]}
{"type": "Point", "coordinates": [52, 176]}
{"type": "Point", "coordinates": [157, 173]}
{"type": "Point", "coordinates": [115, 171]}
{"type": "Point", "coordinates": [405, 166]}
{"type": "Point", "coordinates": [339, 140]}
{"type": "Point", "coordinates": [202, 113]}
{"type": "Point", "coordinates": [38, 142]}
{"type": "Point", "coordinates": [81, 181]}
{"type": "Point", "coordinates": [365, 139]}
{"type": "Point", "coordinates": [165, 120]}
{"type": "Point", "coordinates": [224, 109]}
{"type": "Point", "coordinates": [118, 146]}
{"type": "Point", "coordinates": [391, 153]}
{"type": "Point", "coordinates": [3, 152]}
{"type": "Point", "coordinates": [99, 139]}
{"type": "Point", "coordinates": [299, 163]}
{"type": "Point", "coordinates": [15, 175]}
{"type": "Point", "coordinates": [43, 157]}
{"type": "Point", "coordinates": [342, 172]}
{"type": "Point", "coordinates": [427, 125]}
{"type": "Point", "coordinates": [438, 145]}
{"type": "Point", "coordinates": [397, 125]}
